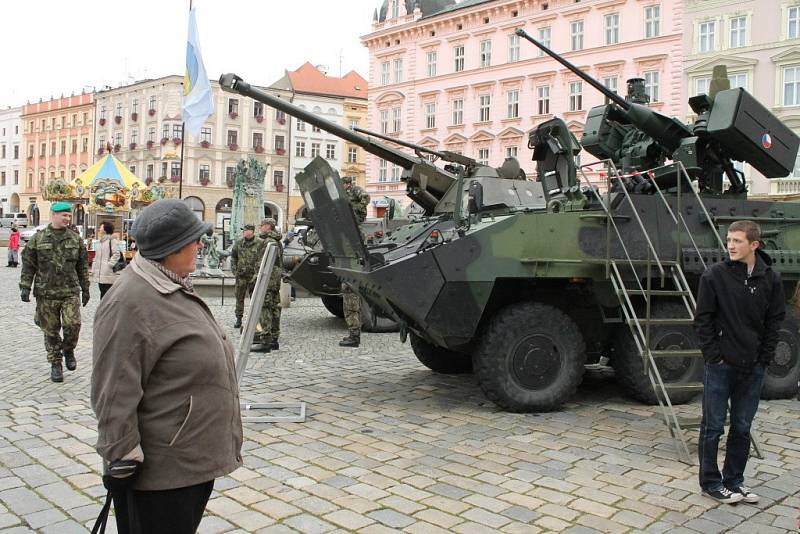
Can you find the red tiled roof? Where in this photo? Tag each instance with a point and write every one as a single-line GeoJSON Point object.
{"type": "Point", "coordinates": [309, 79]}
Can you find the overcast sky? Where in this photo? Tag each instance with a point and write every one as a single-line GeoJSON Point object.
{"type": "Point", "coordinates": [50, 47]}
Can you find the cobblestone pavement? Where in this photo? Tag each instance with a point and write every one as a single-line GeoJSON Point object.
{"type": "Point", "coordinates": [387, 446]}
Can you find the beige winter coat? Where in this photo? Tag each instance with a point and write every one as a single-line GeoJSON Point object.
{"type": "Point", "coordinates": [104, 260]}
{"type": "Point", "coordinates": [164, 378]}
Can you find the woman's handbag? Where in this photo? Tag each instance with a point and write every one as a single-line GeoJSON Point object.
{"type": "Point", "coordinates": [121, 263]}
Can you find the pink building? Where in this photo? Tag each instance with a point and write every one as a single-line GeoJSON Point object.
{"type": "Point", "coordinates": [453, 76]}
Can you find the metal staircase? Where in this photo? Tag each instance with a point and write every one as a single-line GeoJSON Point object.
{"type": "Point", "coordinates": [636, 301]}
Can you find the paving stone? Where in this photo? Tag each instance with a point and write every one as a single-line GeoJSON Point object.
{"type": "Point", "coordinates": [391, 518]}
{"type": "Point", "coordinates": [37, 520]}
{"type": "Point", "coordinates": [348, 519]}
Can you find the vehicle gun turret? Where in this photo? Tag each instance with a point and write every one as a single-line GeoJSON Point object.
{"type": "Point", "coordinates": [730, 125]}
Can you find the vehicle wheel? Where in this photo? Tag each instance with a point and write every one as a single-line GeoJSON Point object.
{"type": "Point", "coordinates": [629, 368]}
{"type": "Point", "coordinates": [439, 359]}
{"type": "Point", "coordinates": [375, 322]}
{"type": "Point", "coordinates": [333, 303]}
{"type": "Point", "coordinates": [783, 373]}
{"type": "Point", "coordinates": [531, 358]}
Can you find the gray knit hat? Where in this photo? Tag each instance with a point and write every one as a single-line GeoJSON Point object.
{"type": "Point", "coordinates": [165, 227]}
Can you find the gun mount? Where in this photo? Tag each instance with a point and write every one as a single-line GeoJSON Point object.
{"type": "Point", "coordinates": [731, 125]}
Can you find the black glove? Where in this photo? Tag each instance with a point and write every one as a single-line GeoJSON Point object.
{"type": "Point", "coordinates": [120, 475]}
{"type": "Point", "coordinates": [84, 298]}
{"type": "Point", "coordinates": [25, 294]}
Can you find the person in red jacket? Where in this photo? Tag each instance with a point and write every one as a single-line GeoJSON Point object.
{"type": "Point", "coordinates": [13, 247]}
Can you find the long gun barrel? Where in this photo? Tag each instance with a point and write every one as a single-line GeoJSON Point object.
{"type": "Point", "coordinates": [444, 155]}
{"type": "Point", "coordinates": [426, 183]}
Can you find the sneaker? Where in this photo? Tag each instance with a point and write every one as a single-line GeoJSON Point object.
{"type": "Point", "coordinates": [724, 495]}
{"type": "Point", "coordinates": [747, 495]}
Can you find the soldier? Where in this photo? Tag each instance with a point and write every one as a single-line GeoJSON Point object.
{"type": "Point", "coordinates": [271, 309]}
{"type": "Point", "coordinates": [56, 264]}
{"type": "Point", "coordinates": [352, 302]}
{"type": "Point", "coordinates": [244, 265]}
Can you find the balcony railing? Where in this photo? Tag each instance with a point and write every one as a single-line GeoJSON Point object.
{"type": "Point", "coordinates": [784, 186]}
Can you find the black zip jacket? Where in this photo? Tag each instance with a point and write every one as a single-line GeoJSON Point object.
{"type": "Point", "coordinates": [738, 317]}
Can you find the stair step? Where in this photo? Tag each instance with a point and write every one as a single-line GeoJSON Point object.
{"type": "Point", "coordinates": [666, 263]}
{"type": "Point", "coordinates": [690, 386]}
{"type": "Point", "coordinates": [687, 353]}
{"type": "Point", "coordinates": [663, 321]}
{"type": "Point", "coordinates": [655, 292]}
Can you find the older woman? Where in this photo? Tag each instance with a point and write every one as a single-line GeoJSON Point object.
{"type": "Point", "coordinates": [164, 384]}
{"type": "Point", "coordinates": [106, 255]}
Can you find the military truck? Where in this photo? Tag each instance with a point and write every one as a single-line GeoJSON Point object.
{"type": "Point", "coordinates": [525, 282]}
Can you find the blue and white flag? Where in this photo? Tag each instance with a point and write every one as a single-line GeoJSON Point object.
{"type": "Point", "coordinates": [198, 101]}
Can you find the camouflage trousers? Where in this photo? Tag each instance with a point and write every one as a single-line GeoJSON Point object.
{"type": "Point", "coordinates": [54, 316]}
{"type": "Point", "coordinates": [270, 319]}
{"type": "Point", "coordinates": [351, 303]}
{"type": "Point", "coordinates": [244, 287]}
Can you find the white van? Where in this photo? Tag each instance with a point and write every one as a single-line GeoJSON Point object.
{"type": "Point", "coordinates": [8, 219]}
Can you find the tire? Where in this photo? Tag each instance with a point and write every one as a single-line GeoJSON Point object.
{"type": "Point", "coordinates": [530, 359]}
{"type": "Point", "coordinates": [783, 373]}
{"type": "Point", "coordinates": [334, 304]}
{"type": "Point", "coordinates": [376, 323]}
{"type": "Point", "coordinates": [629, 368]}
{"type": "Point", "coordinates": [439, 359]}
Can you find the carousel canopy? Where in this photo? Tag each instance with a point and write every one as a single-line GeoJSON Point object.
{"type": "Point", "coordinates": [110, 169]}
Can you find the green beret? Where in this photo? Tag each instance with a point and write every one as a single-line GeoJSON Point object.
{"type": "Point", "coordinates": [249, 227]}
{"type": "Point", "coordinates": [59, 207]}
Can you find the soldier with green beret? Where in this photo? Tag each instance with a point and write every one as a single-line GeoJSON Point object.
{"type": "Point", "coordinates": [55, 265]}
{"type": "Point", "coordinates": [351, 302]}
{"type": "Point", "coordinates": [270, 319]}
{"type": "Point", "coordinates": [245, 255]}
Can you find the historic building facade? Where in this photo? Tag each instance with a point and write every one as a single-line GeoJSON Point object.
{"type": "Point", "coordinates": [58, 143]}
{"type": "Point", "coordinates": [759, 42]}
{"type": "Point", "coordinates": [454, 76]}
{"type": "Point", "coordinates": [11, 158]}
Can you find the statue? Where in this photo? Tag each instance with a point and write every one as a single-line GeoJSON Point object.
{"type": "Point", "coordinates": [248, 195]}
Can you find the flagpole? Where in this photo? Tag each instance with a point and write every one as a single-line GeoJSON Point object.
{"type": "Point", "coordinates": [183, 142]}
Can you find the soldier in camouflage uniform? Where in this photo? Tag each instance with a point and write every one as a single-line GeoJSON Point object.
{"type": "Point", "coordinates": [352, 302]}
{"type": "Point", "coordinates": [55, 264]}
{"type": "Point", "coordinates": [245, 255]}
{"type": "Point", "coordinates": [270, 319]}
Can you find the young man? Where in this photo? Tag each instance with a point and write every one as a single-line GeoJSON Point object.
{"type": "Point", "coordinates": [740, 306]}
{"type": "Point", "coordinates": [244, 265]}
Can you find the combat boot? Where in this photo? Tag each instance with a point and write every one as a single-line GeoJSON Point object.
{"type": "Point", "coordinates": [274, 345]}
{"type": "Point", "coordinates": [56, 372]}
{"type": "Point", "coordinates": [238, 323]}
{"type": "Point", "coordinates": [69, 360]}
{"type": "Point", "coordinates": [352, 340]}
{"type": "Point", "coordinates": [261, 345]}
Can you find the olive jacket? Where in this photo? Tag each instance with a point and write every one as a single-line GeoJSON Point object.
{"type": "Point", "coordinates": [164, 379]}
{"type": "Point", "coordinates": [55, 263]}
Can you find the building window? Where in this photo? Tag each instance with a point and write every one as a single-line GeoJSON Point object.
{"type": "Point", "coordinates": [612, 28]}
{"type": "Point", "coordinates": [280, 142]}
{"type": "Point", "coordinates": [258, 139]}
{"type": "Point", "coordinates": [652, 21]}
{"type": "Point", "coordinates": [458, 111]}
{"type": "Point", "coordinates": [430, 115]}
{"type": "Point", "coordinates": [177, 131]}
{"type": "Point", "coordinates": [233, 137]}
{"type": "Point", "coordinates": [706, 36]}
{"type": "Point", "coordinates": [3, 178]}
{"type": "Point", "coordinates": [119, 110]}
{"type": "Point", "coordinates": [165, 131]}
{"type": "Point", "coordinates": [315, 128]}
{"type": "Point", "coordinates": [16, 151]}
{"type": "Point", "coordinates": [53, 147]}
{"type": "Point", "coordinates": [149, 172]}
{"type": "Point", "coordinates": [576, 35]}
{"type": "Point", "coordinates": [205, 134]}
{"type": "Point", "coordinates": [701, 86]}
{"type": "Point", "coordinates": [651, 85]}
{"type": "Point", "coordinates": [458, 58]}
{"type": "Point", "coordinates": [385, 80]}
{"type": "Point", "coordinates": [793, 18]}
{"type": "Point", "coordinates": [164, 169]}
{"type": "Point", "coordinates": [205, 174]}
{"type": "Point", "coordinates": [315, 150]}
{"type": "Point", "coordinates": [398, 70]}
{"type": "Point", "coordinates": [134, 106]}
{"type": "Point", "coordinates": [152, 104]}
{"type": "Point", "coordinates": [511, 152]}
{"type": "Point", "coordinates": [330, 151]}
{"type": "Point", "coordinates": [280, 116]}
{"type": "Point", "coordinates": [483, 156]}
{"type": "Point", "coordinates": [103, 112]}
{"type": "Point", "coordinates": [74, 146]}
{"type": "Point", "coordinates": [513, 48]}
{"type": "Point", "coordinates": [229, 174]}
{"type": "Point", "coordinates": [300, 149]}
{"type": "Point", "coordinates": [258, 109]}
{"type": "Point", "coordinates": [353, 124]}
{"type": "Point", "coordinates": [738, 80]}
{"type": "Point", "coordinates": [151, 134]}
{"type": "Point", "coordinates": [513, 104]}
{"type": "Point", "coordinates": [3, 151]}
{"type": "Point", "coordinates": [277, 179]}
{"type": "Point", "coordinates": [175, 169]}
{"type": "Point", "coordinates": [395, 173]}
{"type": "Point", "coordinates": [352, 155]}
{"type": "Point", "coordinates": [575, 96]}
{"type": "Point", "coordinates": [431, 63]}
{"type": "Point", "coordinates": [544, 38]}
{"type": "Point", "coordinates": [611, 83]}
{"type": "Point", "coordinates": [135, 135]}
{"type": "Point", "coordinates": [395, 119]}
{"type": "Point", "coordinates": [395, 8]}
{"type": "Point", "coordinates": [484, 107]}
{"type": "Point", "coordinates": [791, 86]}
{"type": "Point", "coordinates": [72, 173]}
{"type": "Point", "coordinates": [233, 105]}
{"type": "Point", "coordinates": [118, 138]}
{"type": "Point", "coordinates": [738, 33]}
{"type": "Point", "coordinates": [16, 177]}
{"type": "Point", "coordinates": [543, 100]}
{"type": "Point", "coordinates": [486, 53]}
{"type": "Point", "coordinates": [382, 165]}
{"type": "Point", "coordinates": [384, 121]}
{"type": "Point", "coordinates": [85, 146]}
{"type": "Point", "coordinates": [301, 126]}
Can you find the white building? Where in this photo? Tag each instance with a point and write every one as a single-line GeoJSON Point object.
{"type": "Point", "coordinates": [11, 158]}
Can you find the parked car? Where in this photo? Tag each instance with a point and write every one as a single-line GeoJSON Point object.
{"type": "Point", "coordinates": [28, 234]}
{"type": "Point", "coordinates": [8, 219]}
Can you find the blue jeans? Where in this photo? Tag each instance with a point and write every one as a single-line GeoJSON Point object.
{"type": "Point", "coordinates": [742, 387]}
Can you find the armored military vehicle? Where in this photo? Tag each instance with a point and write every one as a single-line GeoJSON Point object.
{"type": "Point", "coordinates": [525, 282]}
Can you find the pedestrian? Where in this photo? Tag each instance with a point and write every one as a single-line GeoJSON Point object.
{"type": "Point", "coordinates": [55, 265]}
{"type": "Point", "coordinates": [106, 256]}
{"type": "Point", "coordinates": [163, 385]}
{"type": "Point", "coordinates": [270, 319]}
{"type": "Point", "coordinates": [351, 302]}
{"type": "Point", "coordinates": [244, 265]}
{"type": "Point", "coordinates": [13, 247]}
{"type": "Point", "coordinates": [740, 307]}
